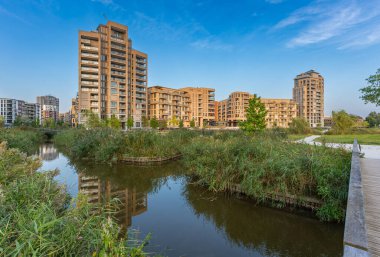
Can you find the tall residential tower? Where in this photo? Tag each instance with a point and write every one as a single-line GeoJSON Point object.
{"type": "Point", "coordinates": [112, 75]}
{"type": "Point", "coordinates": [308, 92]}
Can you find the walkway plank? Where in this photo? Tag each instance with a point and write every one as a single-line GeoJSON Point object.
{"type": "Point", "coordinates": [371, 190]}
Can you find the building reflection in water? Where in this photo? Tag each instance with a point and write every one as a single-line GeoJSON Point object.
{"type": "Point", "coordinates": [48, 152]}
{"type": "Point", "coordinates": [129, 202]}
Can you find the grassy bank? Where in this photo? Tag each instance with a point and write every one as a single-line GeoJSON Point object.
{"type": "Point", "coordinates": [364, 139]}
{"type": "Point", "coordinates": [294, 137]}
{"type": "Point", "coordinates": [38, 219]}
{"type": "Point", "coordinates": [266, 165]}
{"type": "Point", "coordinates": [108, 144]}
{"type": "Point", "coordinates": [24, 139]}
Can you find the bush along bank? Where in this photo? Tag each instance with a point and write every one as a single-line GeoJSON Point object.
{"type": "Point", "coordinates": [262, 166]}
{"type": "Point", "coordinates": [24, 139]}
{"type": "Point", "coordinates": [38, 219]}
{"type": "Point", "coordinates": [106, 144]}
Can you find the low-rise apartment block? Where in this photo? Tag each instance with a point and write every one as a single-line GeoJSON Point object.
{"type": "Point", "coordinates": [280, 112]}
{"type": "Point", "coordinates": [231, 111]}
{"type": "Point", "coordinates": [165, 103]}
{"type": "Point", "coordinates": [10, 109]}
{"type": "Point", "coordinates": [202, 105]}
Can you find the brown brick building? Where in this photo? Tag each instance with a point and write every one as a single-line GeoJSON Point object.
{"type": "Point", "coordinates": [112, 75]}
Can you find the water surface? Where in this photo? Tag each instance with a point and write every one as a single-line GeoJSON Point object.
{"type": "Point", "coordinates": [187, 220]}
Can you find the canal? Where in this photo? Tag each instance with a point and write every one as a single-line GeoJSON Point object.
{"type": "Point", "coordinates": [187, 220]}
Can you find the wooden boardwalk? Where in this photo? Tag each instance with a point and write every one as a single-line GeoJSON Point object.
{"type": "Point", "coordinates": [370, 169]}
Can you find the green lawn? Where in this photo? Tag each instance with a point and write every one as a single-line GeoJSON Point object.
{"type": "Point", "coordinates": [294, 137]}
{"type": "Point", "coordinates": [364, 139]}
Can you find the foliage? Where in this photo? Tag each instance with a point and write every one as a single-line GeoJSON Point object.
{"type": "Point", "coordinates": [173, 121]}
{"type": "Point", "coordinates": [255, 115]}
{"type": "Point", "coordinates": [192, 123]}
{"type": "Point", "coordinates": [364, 139]}
{"type": "Point", "coordinates": [154, 123]}
{"type": "Point", "coordinates": [162, 124]}
{"type": "Point", "coordinates": [371, 93]}
{"type": "Point", "coordinates": [24, 139]}
{"type": "Point", "coordinates": [105, 144]}
{"type": "Point", "coordinates": [145, 122]}
{"type": "Point", "coordinates": [93, 120]}
{"type": "Point", "coordinates": [299, 126]}
{"type": "Point", "coordinates": [265, 165]}
{"type": "Point", "coordinates": [342, 122]}
{"type": "Point", "coordinates": [180, 123]}
{"type": "Point", "coordinates": [373, 119]}
{"type": "Point", "coordinates": [2, 121]}
{"type": "Point", "coordinates": [130, 122]}
{"type": "Point", "coordinates": [113, 122]}
{"type": "Point", "coordinates": [36, 218]}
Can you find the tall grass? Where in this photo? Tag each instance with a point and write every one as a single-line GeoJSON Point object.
{"type": "Point", "coordinates": [264, 165]}
{"type": "Point", "coordinates": [23, 139]}
{"type": "Point", "coordinates": [105, 144]}
{"type": "Point", "coordinates": [38, 219]}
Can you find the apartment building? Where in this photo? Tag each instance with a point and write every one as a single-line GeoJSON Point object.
{"type": "Point", "coordinates": [308, 92]}
{"type": "Point", "coordinates": [10, 109]}
{"type": "Point", "coordinates": [74, 112]}
{"type": "Point", "coordinates": [49, 107]}
{"type": "Point", "coordinates": [165, 103]}
{"type": "Point", "coordinates": [202, 105]}
{"type": "Point", "coordinates": [280, 112]}
{"type": "Point", "coordinates": [112, 75]}
{"type": "Point", "coordinates": [231, 111]}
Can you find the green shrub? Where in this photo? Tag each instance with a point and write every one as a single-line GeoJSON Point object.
{"type": "Point", "coordinates": [23, 139]}
{"type": "Point", "coordinates": [37, 218]}
{"type": "Point", "coordinates": [264, 165]}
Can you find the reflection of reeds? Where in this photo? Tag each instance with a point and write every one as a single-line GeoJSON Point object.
{"type": "Point", "coordinates": [265, 165]}
{"type": "Point", "coordinates": [36, 218]}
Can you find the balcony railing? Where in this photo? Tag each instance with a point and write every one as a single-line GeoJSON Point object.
{"type": "Point", "coordinates": [89, 76]}
{"type": "Point", "coordinates": [89, 48]}
{"type": "Point", "coordinates": [89, 62]}
{"type": "Point", "coordinates": [118, 53]}
{"type": "Point", "coordinates": [118, 60]}
{"type": "Point", "coordinates": [90, 55]}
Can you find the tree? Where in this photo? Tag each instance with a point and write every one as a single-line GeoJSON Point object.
{"type": "Point", "coordinates": [93, 120]}
{"type": "Point", "coordinates": [255, 114]}
{"type": "Point", "coordinates": [2, 121]}
{"type": "Point", "coordinates": [180, 124]}
{"type": "Point", "coordinates": [373, 119]}
{"type": "Point", "coordinates": [144, 122]}
{"type": "Point", "coordinates": [130, 122]}
{"type": "Point", "coordinates": [205, 123]}
{"type": "Point", "coordinates": [114, 122]}
{"type": "Point", "coordinates": [299, 126]}
{"type": "Point", "coordinates": [371, 93]}
{"type": "Point", "coordinates": [162, 124]}
{"type": "Point", "coordinates": [342, 122]}
{"type": "Point", "coordinates": [174, 121]}
{"type": "Point", "coordinates": [192, 123]}
{"type": "Point", "coordinates": [154, 123]}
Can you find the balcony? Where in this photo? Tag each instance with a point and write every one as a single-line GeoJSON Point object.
{"type": "Point", "coordinates": [90, 48]}
{"type": "Point", "coordinates": [91, 56]}
{"type": "Point", "coordinates": [140, 66]}
{"type": "Point", "coordinates": [120, 67]}
{"type": "Point", "coordinates": [138, 71]}
{"type": "Point", "coordinates": [141, 83]}
{"type": "Point", "coordinates": [118, 53]}
{"type": "Point", "coordinates": [113, 59]}
{"type": "Point", "coordinates": [117, 73]}
{"type": "Point", "coordinates": [90, 69]}
{"type": "Point", "coordinates": [141, 78]}
{"type": "Point", "coordinates": [89, 83]}
{"type": "Point", "coordinates": [120, 47]}
{"type": "Point", "coordinates": [140, 89]}
{"type": "Point", "coordinates": [117, 39]}
{"type": "Point", "coordinates": [92, 77]}
{"type": "Point", "coordinates": [89, 62]}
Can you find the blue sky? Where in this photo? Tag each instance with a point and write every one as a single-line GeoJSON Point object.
{"type": "Point", "coordinates": [247, 45]}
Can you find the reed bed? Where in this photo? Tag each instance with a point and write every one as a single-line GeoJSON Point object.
{"type": "Point", "coordinates": [266, 164]}
{"type": "Point", "coordinates": [37, 217]}
{"type": "Point", "coordinates": [24, 139]}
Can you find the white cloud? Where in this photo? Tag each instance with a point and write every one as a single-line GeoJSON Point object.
{"type": "Point", "coordinates": [340, 21]}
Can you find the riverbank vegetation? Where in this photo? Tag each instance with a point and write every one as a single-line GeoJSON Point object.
{"type": "Point", "coordinates": [106, 144]}
{"type": "Point", "coordinates": [363, 139]}
{"type": "Point", "coordinates": [27, 140]}
{"type": "Point", "coordinates": [38, 219]}
{"type": "Point", "coordinates": [264, 166]}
